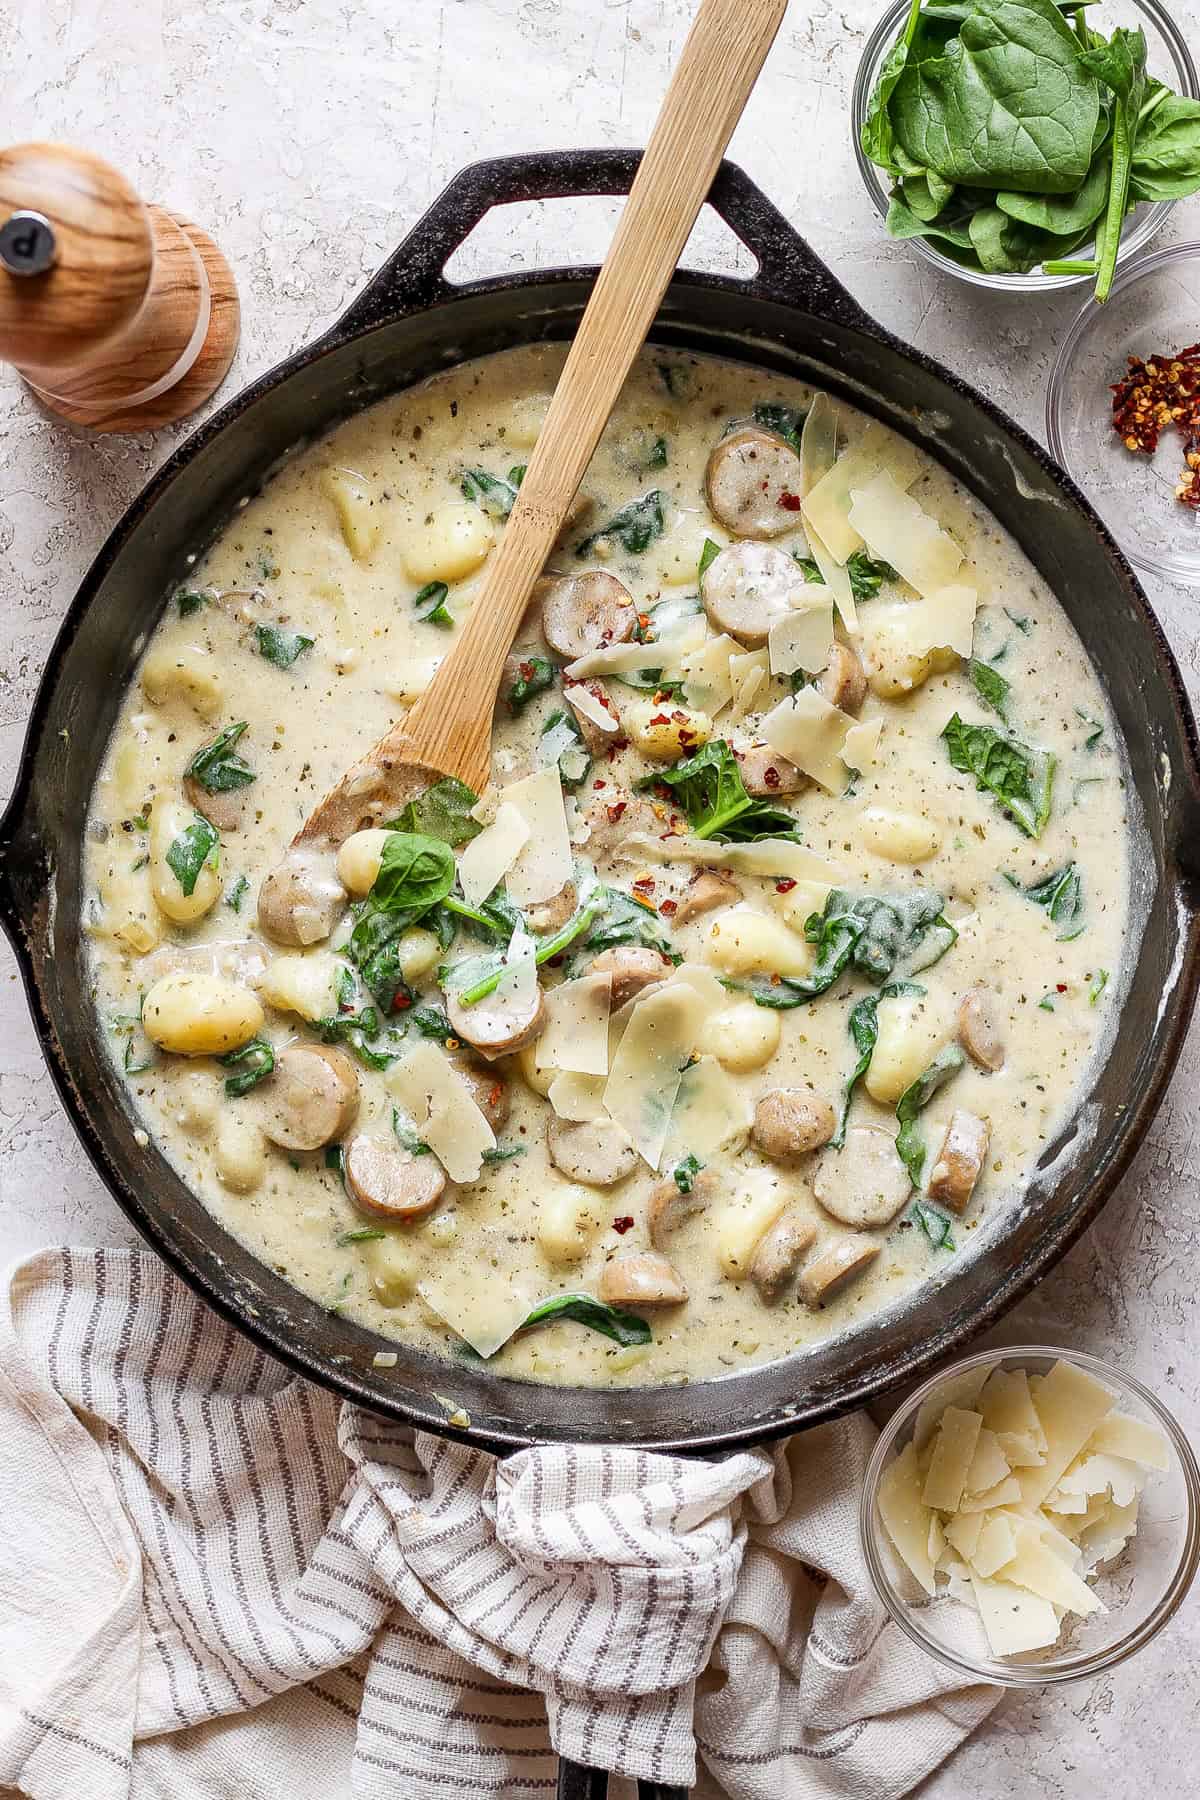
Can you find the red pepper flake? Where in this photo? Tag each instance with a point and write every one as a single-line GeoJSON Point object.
{"type": "Point", "coordinates": [784, 885]}
{"type": "Point", "coordinates": [599, 783]}
{"type": "Point", "coordinates": [402, 1002]}
{"type": "Point", "coordinates": [1061, 986]}
{"type": "Point", "coordinates": [1156, 394]}
{"type": "Point", "coordinates": [615, 810]}
{"type": "Point", "coordinates": [789, 502]}
{"type": "Point", "coordinates": [622, 1225]}
{"type": "Point", "coordinates": [644, 884]}
{"type": "Point", "coordinates": [495, 1094]}
{"type": "Point", "coordinates": [771, 776]}
{"type": "Point", "coordinates": [669, 908]}
{"type": "Point", "coordinates": [526, 671]}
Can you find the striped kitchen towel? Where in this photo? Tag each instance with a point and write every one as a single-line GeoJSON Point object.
{"type": "Point", "coordinates": [217, 1582]}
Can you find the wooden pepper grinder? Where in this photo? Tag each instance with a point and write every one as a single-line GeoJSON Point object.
{"type": "Point", "coordinates": [119, 315]}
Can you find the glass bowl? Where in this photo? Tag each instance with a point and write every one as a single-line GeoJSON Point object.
{"type": "Point", "coordinates": [1169, 58]}
{"type": "Point", "coordinates": [1154, 306]}
{"type": "Point", "coordinates": [1142, 1587]}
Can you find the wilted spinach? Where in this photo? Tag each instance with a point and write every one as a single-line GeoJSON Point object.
{"type": "Point", "coordinates": [217, 766]}
{"type": "Point", "coordinates": [635, 526]}
{"type": "Point", "coordinates": [1020, 778]}
{"type": "Point", "coordinates": [709, 790]}
{"type": "Point", "coordinates": [910, 1141]}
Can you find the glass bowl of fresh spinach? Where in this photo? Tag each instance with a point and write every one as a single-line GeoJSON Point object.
{"type": "Point", "coordinates": [1026, 145]}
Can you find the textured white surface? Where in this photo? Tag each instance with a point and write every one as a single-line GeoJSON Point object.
{"type": "Point", "coordinates": [308, 135]}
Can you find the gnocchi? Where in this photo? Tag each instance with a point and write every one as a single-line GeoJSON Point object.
{"type": "Point", "coordinates": [178, 838]}
{"type": "Point", "coordinates": [357, 514]}
{"type": "Point", "coordinates": [194, 1014]}
{"type": "Point", "coordinates": [452, 545]}
{"type": "Point", "coordinates": [912, 1029]}
{"type": "Point", "coordinates": [304, 985]}
{"type": "Point", "coordinates": [568, 1219]}
{"type": "Point", "coordinates": [240, 1155]}
{"type": "Point", "coordinates": [744, 1220]}
{"type": "Point", "coordinates": [664, 731]}
{"type": "Point", "coordinates": [744, 941]}
{"type": "Point", "coordinates": [742, 1037]}
{"type": "Point", "coordinates": [188, 675]}
{"type": "Point", "coordinates": [899, 836]}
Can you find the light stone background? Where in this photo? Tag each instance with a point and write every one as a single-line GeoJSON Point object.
{"type": "Point", "coordinates": [308, 135]}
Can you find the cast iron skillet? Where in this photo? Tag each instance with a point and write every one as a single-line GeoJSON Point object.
{"type": "Point", "coordinates": [792, 316]}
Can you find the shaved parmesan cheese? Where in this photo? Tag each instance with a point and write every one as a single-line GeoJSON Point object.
{"type": "Point", "coordinates": [625, 658]}
{"type": "Point", "coordinates": [1108, 1535]}
{"type": "Point", "coordinates": [906, 1517]}
{"type": "Point", "coordinates": [1006, 1406]}
{"type": "Point", "coordinates": [1119, 1434]}
{"type": "Point", "coordinates": [1070, 1404]}
{"type": "Point", "coordinates": [576, 1034]}
{"type": "Point", "coordinates": [835, 578]}
{"type": "Point", "coordinates": [811, 733]}
{"type": "Point", "coordinates": [989, 1464]}
{"type": "Point", "coordinates": [517, 988]}
{"type": "Point", "coordinates": [1020, 1449]}
{"type": "Point", "coordinates": [748, 675]}
{"type": "Point", "coordinates": [802, 639]}
{"type": "Point", "coordinates": [544, 865]}
{"type": "Point", "coordinates": [743, 1220]}
{"type": "Point", "coordinates": [769, 857]}
{"type": "Point", "coordinates": [899, 530]}
{"type": "Point", "coordinates": [579, 1097]}
{"type": "Point", "coordinates": [1098, 1475]}
{"type": "Point", "coordinates": [960, 1390]}
{"type": "Point", "coordinates": [486, 860]}
{"type": "Point", "coordinates": [583, 701]}
{"type": "Point", "coordinates": [862, 743]}
{"type": "Point", "coordinates": [707, 683]}
{"type": "Point", "coordinates": [479, 1309]}
{"type": "Point", "coordinates": [554, 744]}
{"type": "Point", "coordinates": [963, 1532]}
{"type": "Point", "coordinates": [711, 1112]}
{"type": "Point", "coordinates": [1036, 1566]}
{"type": "Point", "coordinates": [440, 1104]}
{"type": "Point", "coordinates": [1014, 1619]}
{"type": "Point", "coordinates": [995, 1545]}
{"type": "Point", "coordinates": [944, 620]}
{"type": "Point", "coordinates": [818, 443]}
{"type": "Point", "coordinates": [937, 1544]}
{"type": "Point", "coordinates": [953, 1451]}
{"type": "Point", "coordinates": [646, 1069]}
{"type": "Point", "coordinates": [1005, 1493]}
{"type": "Point", "coordinates": [826, 508]}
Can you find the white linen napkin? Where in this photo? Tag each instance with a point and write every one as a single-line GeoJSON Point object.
{"type": "Point", "coordinates": [215, 1580]}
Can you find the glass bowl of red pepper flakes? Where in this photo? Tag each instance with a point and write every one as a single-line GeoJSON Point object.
{"type": "Point", "coordinates": [1123, 410]}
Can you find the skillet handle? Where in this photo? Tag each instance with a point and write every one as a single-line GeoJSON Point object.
{"type": "Point", "coordinates": [412, 279]}
{"type": "Point", "coordinates": [577, 1783]}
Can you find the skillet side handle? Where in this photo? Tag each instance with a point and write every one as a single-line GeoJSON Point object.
{"type": "Point", "coordinates": [413, 278]}
{"type": "Point", "coordinates": [577, 1783]}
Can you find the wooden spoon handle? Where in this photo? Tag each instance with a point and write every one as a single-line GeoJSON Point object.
{"type": "Point", "coordinates": [449, 727]}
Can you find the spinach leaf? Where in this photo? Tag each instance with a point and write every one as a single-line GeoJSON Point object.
{"type": "Point", "coordinates": [442, 811]}
{"type": "Point", "coordinates": [867, 574]}
{"type": "Point", "coordinates": [864, 1031]}
{"type": "Point", "coordinates": [990, 685]}
{"type": "Point", "coordinates": [1064, 215]}
{"type": "Point", "coordinates": [253, 1063]}
{"type": "Point", "coordinates": [1021, 779]}
{"type": "Point", "coordinates": [1008, 103]}
{"type": "Point", "coordinates": [953, 233]}
{"type": "Point", "coordinates": [708, 554]}
{"type": "Point", "coordinates": [366, 1236]}
{"type": "Point", "coordinates": [684, 1173]}
{"type": "Point", "coordinates": [641, 452]}
{"type": "Point", "coordinates": [415, 872]}
{"type": "Point", "coordinates": [486, 975]}
{"type": "Point", "coordinates": [375, 949]}
{"type": "Point", "coordinates": [189, 602]}
{"type": "Point", "coordinates": [625, 920]}
{"type": "Point", "coordinates": [635, 526]}
{"type": "Point", "coordinates": [1095, 732]}
{"type": "Point", "coordinates": [502, 1153]}
{"type": "Point", "coordinates": [1005, 246]}
{"type": "Point", "coordinates": [236, 893]}
{"type": "Point", "coordinates": [876, 935]}
{"type": "Point", "coordinates": [1098, 986]}
{"type": "Point", "coordinates": [430, 1022]}
{"type": "Point", "coordinates": [936, 1225]}
{"type": "Point", "coordinates": [1062, 896]}
{"type": "Point", "coordinates": [1166, 151]}
{"type": "Point", "coordinates": [876, 136]}
{"type": "Point", "coordinates": [216, 765]}
{"type": "Point", "coordinates": [196, 845]}
{"type": "Point", "coordinates": [496, 497]}
{"type": "Point", "coordinates": [281, 647]}
{"type": "Point", "coordinates": [495, 917]}
{"type": "Point", "coordinates": [534, 675]}
{"type": "Point", "coordinates": [432, 597]}
{"type": "Point", "coordinates": [574, 759]}
{"type": "Point", "coordinates": [406, 1137]}
{"type": "Point", "coordinates": [358, 1031]}
{"type": "Point", "coordinates": [613, 1322]}
{"type": "Point", "coordinates": [1120, 65]}
{"type": "Point", "coordinates": [785, 421]}
{"type": "Point", "coordinates": [910, 1142]}
{"type": "Point", "coordinates": [809, 570]}
{"type": "Point", "coordinates": [709, 790]}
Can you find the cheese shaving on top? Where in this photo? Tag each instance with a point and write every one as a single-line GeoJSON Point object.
{"type": "Point", "coordinates": [576, 1034]}
{"type": "Point", "coordinates": [811, 733]}
{"type": "Point", "coordinates": [647, 1068]}
{"type": "Point", "coordinates": [767, 856]}
{"type": "Point", "coordinates": [486, 860]}
{"type": "Point", "coordinates": [442, 1108]}
{"type": "Point", "coordinates": [583, 701]}
{"type": "Point", "coordinates": [802, 639]}
{"type": "Point", "coordinates": [543, 866]}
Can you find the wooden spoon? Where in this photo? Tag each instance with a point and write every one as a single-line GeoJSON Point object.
{"type": "Point", "coordinates": [448, 729]}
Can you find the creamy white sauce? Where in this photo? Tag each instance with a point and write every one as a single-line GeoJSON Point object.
{"type": "Point", "coordinates": [339, 558]}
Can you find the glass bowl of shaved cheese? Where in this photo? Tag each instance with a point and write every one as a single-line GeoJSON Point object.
{"type": "Point", "coordinates": [1031, 1516]}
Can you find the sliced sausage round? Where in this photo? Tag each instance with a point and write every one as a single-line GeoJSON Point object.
{"type": "Point", "coordinates": [225, 810]}
{"type": "Point", "coordinates": [592, 1151]}
{"type": "Point", "coordinates": [960, 1160]}
{"type": "Point", "coordinates": [977, 1030]}
{"type": "Point", "coordinates": [312, 1097]}
{"type": "Point", "coordinates": [489, 1091]}
{"type": "Point", "coordinates": [494, 1026]}
{"type": "Point", "coordinates": [747, 587]}
{"type": "Point", "coordinates": [301, 900]}
{"type": "Point", "coordinates": [632, 967]}
{"type": "Point", "coordinates": [767, 775]}
{"type": "Point", "coordinates": [752, 483]}
{"type": "Point", "coordinates": [789, 1123]}
{"type": "Point", "coordinates": [841, 1260]}
{"type": "Point", "coordinates": [779, 1252]}
{"type": "Point", "coordinates": [704, 893]}
{"type": "Point", "coordinates": [641, 1278]}
{"type": "Point", "coordinates": [386, 1179]}
{"type": "Point", "coordinates": [668, 1206]}
{"type": "Point", "coordinates": [843, 680]}
{"type": "Point", "coordinates": [584, 612]}
{"type": "Point", "coordinates": [865, 1182]}
{"type": "Point", "coordinates": [552, 914]}
{"type": "Point", "coordinates": [594, 736]}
